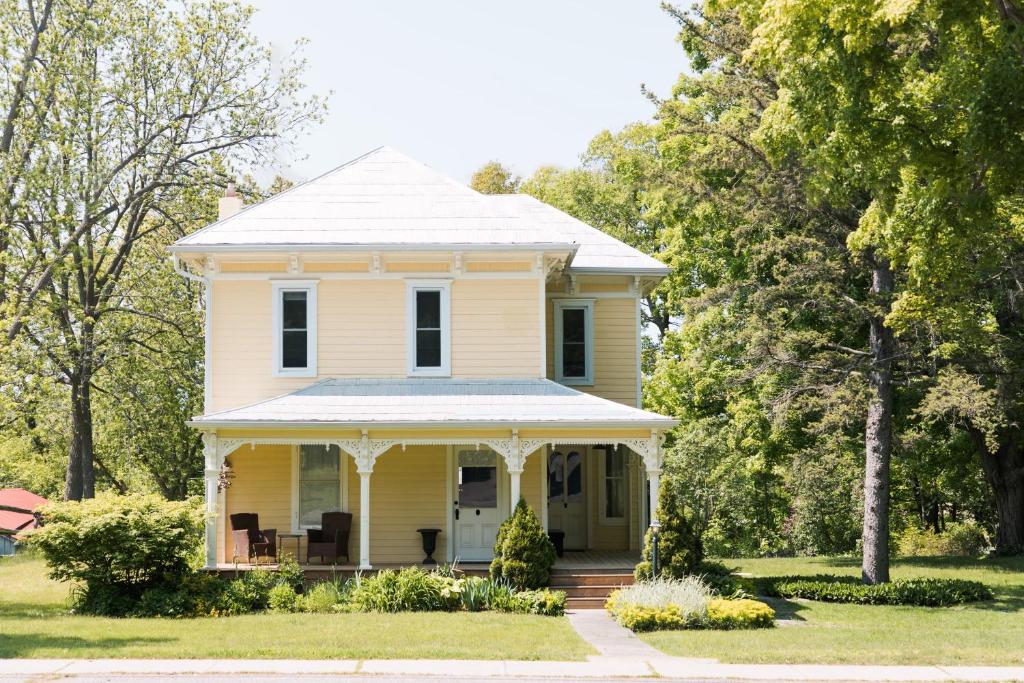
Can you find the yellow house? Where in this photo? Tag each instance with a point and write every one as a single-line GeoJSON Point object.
{"type": "Point", "coordinates": [385, 341]}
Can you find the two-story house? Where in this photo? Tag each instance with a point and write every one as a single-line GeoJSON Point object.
{"type": "Point", "coordinates": [385, 341]}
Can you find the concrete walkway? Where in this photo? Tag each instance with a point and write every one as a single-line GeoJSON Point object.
{"type": "Point", "coordinates": [597, 668]}
{"type": "Point", "coordinates": [598, 628]}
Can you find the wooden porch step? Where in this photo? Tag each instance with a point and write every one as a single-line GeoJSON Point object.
{"type": "Point", "coordinates": [586, 591]}
{"type": "Point", "coordinates": [562, 581]}
{"type": "Point", "coordinates": [584, 603]}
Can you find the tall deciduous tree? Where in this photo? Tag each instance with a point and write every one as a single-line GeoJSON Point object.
{"type": "Point", "coordinates": [493, 178]}
{"type": "Point", "coordinates": [116, 110]}
{"type": "Point", "coordinates": [916, 108]}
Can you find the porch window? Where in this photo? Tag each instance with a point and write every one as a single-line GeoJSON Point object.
{"type": "Point", "coordinates": [613, 499]}
{"type": "Point", "coordinates": [294, 329]}
{"type": "Point", "coordinates": [318, 484]}
{"type": "Point", "coordinates": [574, 341]}
{"type": "Point", "coordinates": [429, 338]}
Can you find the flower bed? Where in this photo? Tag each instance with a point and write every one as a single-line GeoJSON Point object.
{"type": "Point", "coordinates": [686, 603]}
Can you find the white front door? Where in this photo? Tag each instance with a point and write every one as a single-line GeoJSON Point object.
{"type": "Point", "coordinates": [477, 504]}
{"type": "Point", "coordinates": [567, 502]}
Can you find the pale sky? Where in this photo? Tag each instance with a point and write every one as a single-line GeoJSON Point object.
{"type": "Point", "coordinates": [455, 83]}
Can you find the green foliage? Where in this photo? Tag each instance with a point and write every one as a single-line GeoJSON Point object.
{"type": "Point", "coordinates": [476, 593]}
{"type": "Point", "coordinates": [523, 553]}
{"type": "Point", "coordinates": [544, 602]}
{"type": "Point", "coordinates": [919, 592]}
{"type": "Point", "coordinates": [283, 598]}
{"type": "Point", "coordinates": [323, 597]}
{"type": "Point", "coordinates": [680, 549]}
{"type": "Point", "coordinates": [959, 539]}
{"type": "Point", "coordinates": [290, 573]}
{"type": "Point", "coordinates": [493, 178]}
{"type": "Point", "coordinates": [120, 544]}
{"type": "Point", "coordinates": [735, 614]}
{"type": "Point", "coordinates": [408, 590]}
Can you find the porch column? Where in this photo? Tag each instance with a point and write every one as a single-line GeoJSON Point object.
{"type": "Point", "coordinates": [211, 479]}
{"type": "Point", "coordinates": [515, 487]}
{"type": "Point", "coordinates": [650, 451]}
{"type": "Point", "coordinates": [364, 517]}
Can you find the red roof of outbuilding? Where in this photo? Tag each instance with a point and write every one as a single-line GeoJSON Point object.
{"type": "Point", "coordinates": [19, 498]}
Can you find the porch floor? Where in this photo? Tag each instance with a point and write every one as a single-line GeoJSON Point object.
{"type": "Point", "coordinates": [573, 560]}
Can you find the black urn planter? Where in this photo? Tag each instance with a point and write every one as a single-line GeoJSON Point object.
{"type": "Point", "coordinates": [429, 544]}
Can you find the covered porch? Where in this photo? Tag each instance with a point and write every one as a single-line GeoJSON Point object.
{"type": "Point", "coordinates": [455, 456]}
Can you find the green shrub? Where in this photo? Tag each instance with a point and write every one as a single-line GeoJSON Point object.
{"type": "Point", "coordinates": [919, 592]}
{"type": "Point", "coordinates": [283, 598]}
{"type": "Point", "coordinates": [638, 618]}
{"type": "Point", "coordinates": [742, 613]}
{"type": "Point", "coordinates": [965, 539]}
{"type": "Point", "coordinates": [545, 602]}
{"type": "Point", "coordinates": [408, 590]}
{"type": "Point", "coordinates": [523, 553]}
{"type": "Point", "coordinates": [323, 597]}
{"type": "Point", "coordinates": [680, 550]}
{"type": "Point", "coordinates": [290, 573]}
{"type": "Point", "coordinates": [120, 547]}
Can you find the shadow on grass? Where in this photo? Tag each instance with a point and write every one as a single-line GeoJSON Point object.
{"type": "Point", "coordinates": [42, 644]}
{"type": "Point", "coordinates": [35, 610]}
{"type": "Point", "coordinates": [785, 610]}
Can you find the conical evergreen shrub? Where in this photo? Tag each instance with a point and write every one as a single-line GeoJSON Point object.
{"type": "Point", "coordinates": [523, 553]}
{"type": "Point", "coordinates": [680, 550]}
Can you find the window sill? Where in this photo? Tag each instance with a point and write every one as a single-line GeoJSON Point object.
{"type": "Point", "coordinates": [429, 373]}
{"type": "Point", "coordinates": [575, 381]}
{"type": "Point", "coordinates": [303, 372]}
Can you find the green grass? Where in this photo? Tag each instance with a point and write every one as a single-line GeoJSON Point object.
{"type": "Point", "coordinates": [813, 632]}
{"type": "Point", "coordinates": [34, 622]}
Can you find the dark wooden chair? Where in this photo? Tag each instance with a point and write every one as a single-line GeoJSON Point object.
{"type": "Point", "coordinates": [331, 539]}
{"type": "Point", "coordinates": [250, 540]}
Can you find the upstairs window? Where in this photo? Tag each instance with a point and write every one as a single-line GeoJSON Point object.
{"type": "Point", "coordinates": [574, 341]}
{"type": "Point", "coordinates": [294, 329]}
{"type": "Point", "coordinates": [428, 320]}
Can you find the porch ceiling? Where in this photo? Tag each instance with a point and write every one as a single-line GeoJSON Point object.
{"type": "Point", "coordinates": [435, 402]}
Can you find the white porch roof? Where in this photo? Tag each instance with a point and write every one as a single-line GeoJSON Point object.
{"type": "Point", "coordinates": [386, 200]}
{"type": "Point", "coordinates": [436, 402]}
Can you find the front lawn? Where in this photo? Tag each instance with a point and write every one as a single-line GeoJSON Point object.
{"type": "Point", "coordinates": [814, 632]}
{"type": "Point", "coordinates": [34, 622]}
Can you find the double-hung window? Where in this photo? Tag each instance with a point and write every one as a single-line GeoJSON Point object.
{"type": "Point", "coordinates": [429, 327]}
{"type": "Point", "coordinates": [317, 484]}
{"type": "Point", "coordinates": [294, 330]}
{"type": "Point", "coordinates": [574, 341]}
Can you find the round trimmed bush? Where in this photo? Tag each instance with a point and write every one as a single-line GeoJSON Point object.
{"type": "Point", "coordinates": [523, 553]}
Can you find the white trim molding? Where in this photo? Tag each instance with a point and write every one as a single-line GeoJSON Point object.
{"type": "Point", "coordinates": [444, 287]}
{"type": "Point", "coordinates": [587, 306]}
{"type": "Point", "coordinates": [278, 288]}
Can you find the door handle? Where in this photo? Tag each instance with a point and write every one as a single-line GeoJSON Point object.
{"type": "Point", "coordinates": [565, 505]}
{"type": "Point", "coordinates": [477, 513]}
{"type": "Point", "coordinates": [456, 506]}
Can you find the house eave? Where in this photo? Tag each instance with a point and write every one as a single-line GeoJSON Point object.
{"type": "Point", "coordinates": [570, 247]}
{"type": "Point", "coordinates": [202, 424]}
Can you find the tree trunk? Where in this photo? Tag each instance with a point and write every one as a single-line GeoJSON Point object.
{"type": "Point", "coordinates": [1004, 472]}
{"type": "Point", "coordinates": [80, 479]}
{"type": "Point", "coordinates": [878, 432]}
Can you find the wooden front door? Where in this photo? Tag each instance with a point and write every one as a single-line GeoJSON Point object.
{"type": "Point", "coordinates": [567, 500]}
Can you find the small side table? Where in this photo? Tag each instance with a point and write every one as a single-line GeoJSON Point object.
{"type": "Point", "coordinates": [429, 544]}
{"type": "Point", "coordinates": [298, 543]}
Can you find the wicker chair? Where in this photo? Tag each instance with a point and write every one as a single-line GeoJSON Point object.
{"type": "Point", "coordinates": [331, 539]}
{"type": "Point", "coordinates": [250, 541]}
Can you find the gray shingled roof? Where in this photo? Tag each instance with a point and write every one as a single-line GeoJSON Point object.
{"type": "Point", "coordinates": [386, 199]}
{"type": "Point", "coordinates": [446, 402]}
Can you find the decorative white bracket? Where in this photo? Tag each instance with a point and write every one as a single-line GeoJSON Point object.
{"type": "Point", "coordinates": [365, 450]}
{"type": "Point", "coordinates": [375, 263]}
{"type": "Point", "coordinates": [649, 449]}
{"type": "Point", "coordinates": [293, 264]}
{"type": "Point", "coordinates": [457, 267]}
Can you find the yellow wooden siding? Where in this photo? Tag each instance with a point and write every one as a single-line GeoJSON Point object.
{"type": "Point", "coordinates": [529, 481]}
{"type": "Point", "coordinates": [407, 492]}
{"type": "Point", "coordinates": [495, 328]}
{"type": "Point", "coordinates": [252, 267]}
{"type": "Point", "coordinates": [261, 484]}
{"type": "Point", "coordinates": [361, 332]}
{"type": "Point", "coordinates": [417, 267]}
{"type": "Point", "coordinates": [615, 332]}
{"type": "Point", "coordinates": [335, 267]}
{"type": "Point", "coordinates": [498, 266]}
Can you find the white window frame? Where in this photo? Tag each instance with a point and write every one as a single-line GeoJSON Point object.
{"type": "Point", "coordinates": [602, 493]}
{"type": "Point", "coordinates": [445, 288]}
{"type": "Point", "coordinates": [342, 482]}
{"type": "Point", "coordinates": [587, 305]}
{"type": "Point", "coordinates": [278, 288]}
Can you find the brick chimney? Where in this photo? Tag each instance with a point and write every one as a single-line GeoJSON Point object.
{"type": "Point", "coordinates": [229, 204]}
